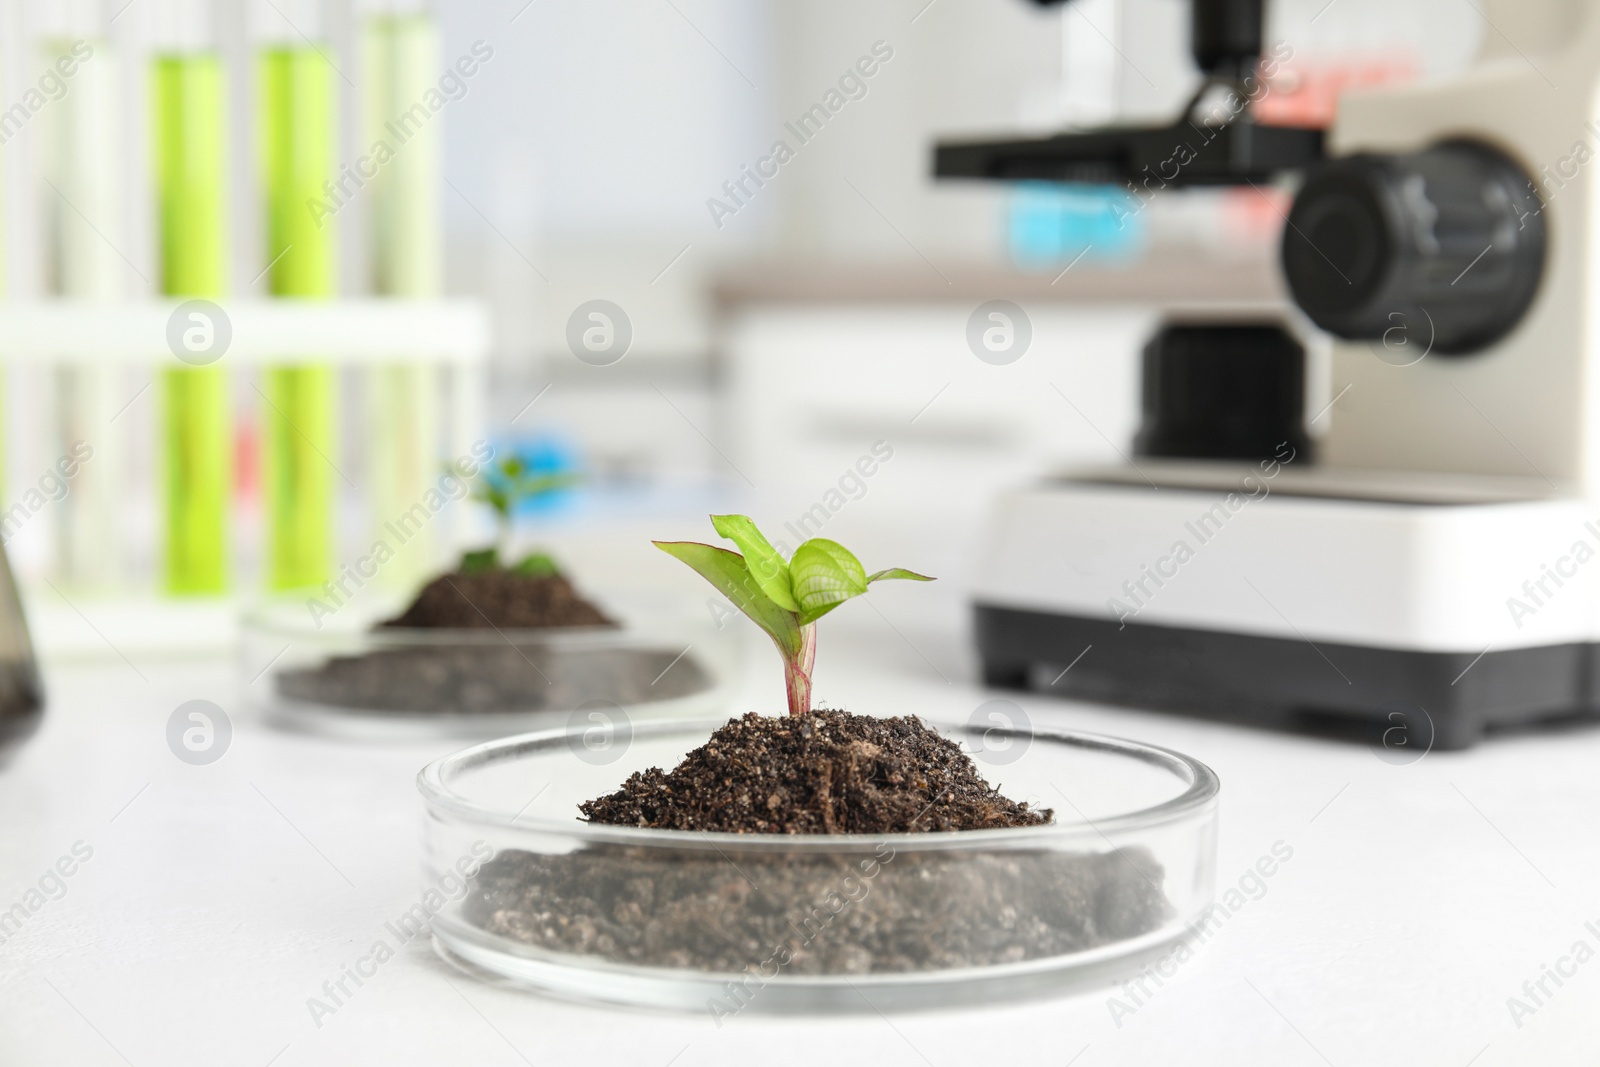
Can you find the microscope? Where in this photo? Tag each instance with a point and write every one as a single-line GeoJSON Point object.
{"type": "Point", "coordinates": [1432, 567]}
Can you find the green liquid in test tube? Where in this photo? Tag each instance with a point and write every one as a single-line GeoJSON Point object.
{"type": "Point", "coordinates": [297, 132]}
{"type": "Point", "coordinates": [189, 98]}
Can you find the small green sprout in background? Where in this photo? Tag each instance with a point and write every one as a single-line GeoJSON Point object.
{"type": "Point", "coordinates": [504, 487]}
{"type": "Point", "coordinates": [783, 597]}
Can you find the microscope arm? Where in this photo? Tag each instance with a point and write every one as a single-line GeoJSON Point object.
{"type": "Point", "coordinates": [1226, 38]}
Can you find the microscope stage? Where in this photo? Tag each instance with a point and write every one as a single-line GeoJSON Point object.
{"type": "Point", "coordinates": [1224, 590]}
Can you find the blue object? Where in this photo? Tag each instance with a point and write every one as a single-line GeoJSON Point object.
{"type": "Point", "coordinates": [540, 455]}
{"type": "Point", "coordinates": [1052, 225]}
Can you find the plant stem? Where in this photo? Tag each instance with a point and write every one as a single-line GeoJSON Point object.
{"type": "Point", "coordinates": [797, 671]}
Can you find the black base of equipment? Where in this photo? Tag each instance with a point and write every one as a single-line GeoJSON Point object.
{"type": "Point", "coordinates": [1408, 701]}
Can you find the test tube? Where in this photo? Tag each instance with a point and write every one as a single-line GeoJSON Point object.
{"type": "Point", "coordinates": [189, 150]}
{"type": "Point", "coordinates": [400, 66]}
{"type": "Point", "coordinates": [80, 164]}
{"type": "Point", "coordinates": [297, 107]}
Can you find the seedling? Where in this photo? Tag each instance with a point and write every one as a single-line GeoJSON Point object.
{"type": "Point", "coordinates": [504, 487]}
{"type": "Point", "coordinates": [783, 597]}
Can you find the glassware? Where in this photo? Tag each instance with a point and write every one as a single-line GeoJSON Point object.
{"type": "Point", "coordinates": [517, 887]}
{"type": "Point", "coordinates": [83, 169]}
{"type": "Point", "coordinates": [346, 676]}
{"type": "Point", "coordinates": [400, 69]}
{"type": "Point", "coordinates": [189, 101]}
{"type": "Point", "coordinates": [298, 115]}
{"type": "Point", "coordinates": [21, 692]}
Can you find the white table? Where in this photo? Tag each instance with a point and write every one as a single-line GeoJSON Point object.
{"type": "Point", "coordinates": [219, 898]}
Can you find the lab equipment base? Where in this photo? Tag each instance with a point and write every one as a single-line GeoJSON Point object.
{"type": "Point", "coordinates": [1407, 700]}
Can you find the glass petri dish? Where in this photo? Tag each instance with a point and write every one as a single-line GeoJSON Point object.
{"type": "Point", "coordinates": [518, 889]}
{"type": "Point", "coordinates": [352, 679]}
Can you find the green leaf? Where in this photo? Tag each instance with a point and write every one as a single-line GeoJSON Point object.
{"type": "Point", "coordinates": [824, 574]}
{"type": "Point", "coordinates": [728, 573]}
{"type": "Point", "coordinates": [484, 559]}
{"type": "Point", "coordinates": [809, 617]}
{"type": "Point", "coordinates": [537, 565]}
{"type": "Point", "coordinates": [897, 572]}
{"type": "Point", "coordinates": [765, 562]}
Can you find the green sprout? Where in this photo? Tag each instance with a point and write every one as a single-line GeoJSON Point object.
{"type": "Point", "coordinates": [783, 597]}
{"type": "Point", "coordinates": [504, 487]}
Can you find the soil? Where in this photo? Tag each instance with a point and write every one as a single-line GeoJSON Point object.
{"type": "Point", "coordinates": [494, 679]}
{"type": "Point", "coordinates": [496, 598]}
{"type": "Point", "coordinates": [877, 912]}
{"type": "Point", "coordinates": [829, 772]}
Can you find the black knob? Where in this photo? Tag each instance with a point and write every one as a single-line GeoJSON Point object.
{"type": "Point", "coordinates": [1224, 391]}
{"type": "Point", "coordinates": [1446, 245]}
{"type": "Point", "coordinates": [1225, 35]}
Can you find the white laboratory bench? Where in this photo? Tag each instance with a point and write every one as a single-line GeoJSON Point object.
{"type": "Point", "coordinates": [219, 898]}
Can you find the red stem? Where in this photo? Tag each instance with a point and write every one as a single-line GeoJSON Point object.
{"type": "Point", "coordinates": [797, 671]}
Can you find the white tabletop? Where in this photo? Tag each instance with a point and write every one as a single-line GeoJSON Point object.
{"type": "Point", "coordinates": [218, 898]}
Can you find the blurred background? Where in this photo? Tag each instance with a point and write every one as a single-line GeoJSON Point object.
{"type": "Point", "coordinates": [784, 312]}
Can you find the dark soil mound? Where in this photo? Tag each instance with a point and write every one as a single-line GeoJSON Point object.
{"type": "Point", "coordinates": [499, 598]}
{"type": "Point", "coordinates": [829, 772]}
